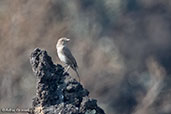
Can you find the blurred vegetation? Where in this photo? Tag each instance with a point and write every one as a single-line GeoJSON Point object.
{"type": "Point", "coordinates": [122, 48]}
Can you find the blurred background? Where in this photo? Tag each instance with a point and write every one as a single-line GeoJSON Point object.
{"type": "Point", "coordinates": [123, 50]}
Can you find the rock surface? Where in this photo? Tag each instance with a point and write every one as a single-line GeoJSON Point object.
{"type": "Point", "coordinates": [57, 92]}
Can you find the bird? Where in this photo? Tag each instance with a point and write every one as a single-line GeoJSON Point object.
{"type": "Point", "coordinates": [66, 56]}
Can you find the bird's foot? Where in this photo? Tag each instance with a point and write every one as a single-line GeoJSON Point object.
{"type": "Point", "coordinates": [65, 73]}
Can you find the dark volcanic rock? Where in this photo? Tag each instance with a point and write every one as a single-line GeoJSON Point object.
{"type": "Point", "coordinates": [58, 93]}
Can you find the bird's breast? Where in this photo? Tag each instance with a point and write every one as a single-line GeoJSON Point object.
{"type": "Point", "coordinates": [61, 56]}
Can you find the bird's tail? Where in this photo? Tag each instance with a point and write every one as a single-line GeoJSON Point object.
{"type": "Point", "coordinates": [76, 70]}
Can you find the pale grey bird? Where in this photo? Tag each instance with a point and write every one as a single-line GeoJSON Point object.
{"type": "Point", "coordinates": [66, 56]}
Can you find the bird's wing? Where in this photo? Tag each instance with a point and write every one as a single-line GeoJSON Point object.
{"type": "Point", "coordinates": [70, 57]}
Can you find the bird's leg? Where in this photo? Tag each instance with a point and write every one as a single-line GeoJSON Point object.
{"type": "Point", "coordinates": [67, 68]}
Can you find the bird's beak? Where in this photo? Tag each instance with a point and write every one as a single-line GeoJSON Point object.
{"type": "Point", "coordinates": [67, 40]}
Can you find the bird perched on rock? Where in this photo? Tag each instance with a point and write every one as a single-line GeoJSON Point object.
{"type": "Point", "coordinates": [66, 56]}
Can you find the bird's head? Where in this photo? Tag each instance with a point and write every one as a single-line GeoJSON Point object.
{"type": "Point", "coordinates": [63, 41]}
